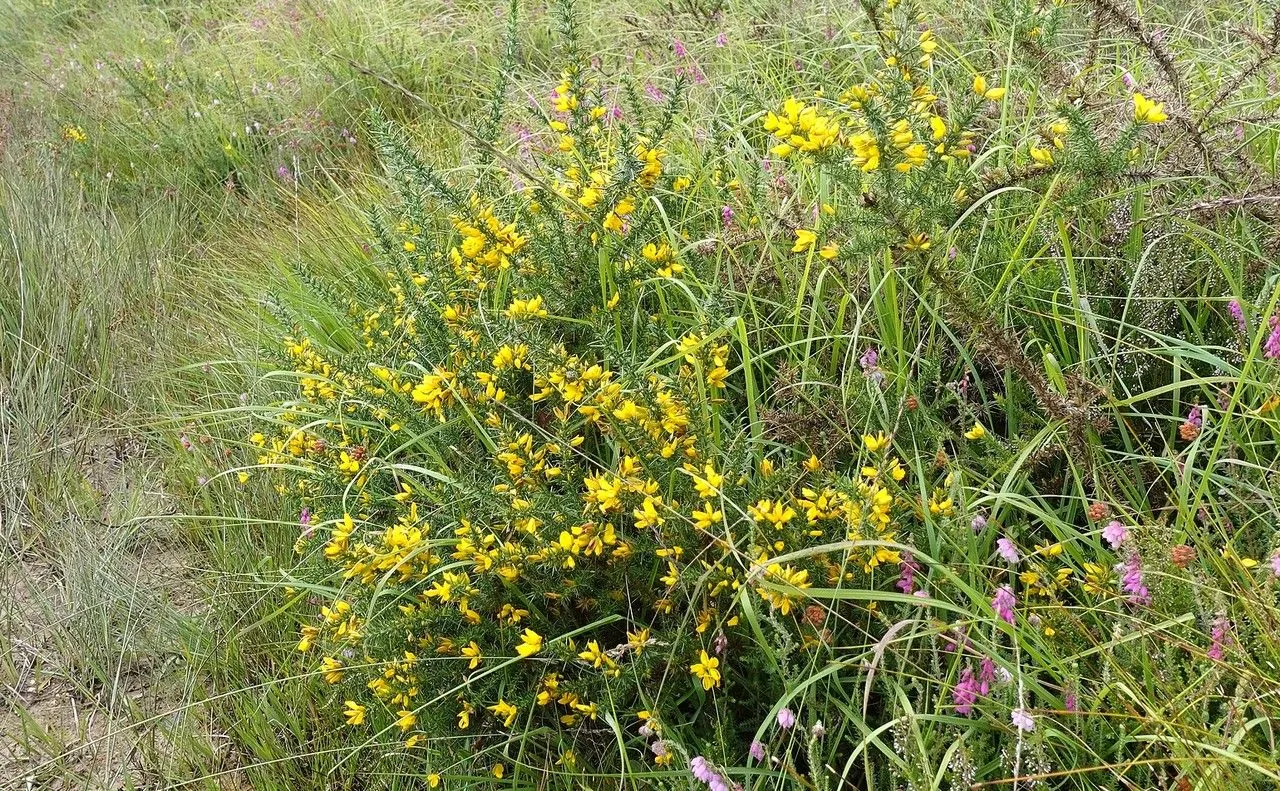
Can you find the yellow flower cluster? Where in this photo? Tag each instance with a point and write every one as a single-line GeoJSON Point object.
{"type": "Point", "coordinates": [487, 244]}
{"type": "Point", "coordinates": [517, 517]}
{"type": "Point", "coordinates": [555, 513]}
{"type": "Point", "coordinates": [914, 132]}
{"type": "Point", "coordinates": [801, 127]}
{"type": "Point", "coordinates": [588, 145]}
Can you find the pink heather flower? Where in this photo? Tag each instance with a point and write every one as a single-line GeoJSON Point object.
{"type": "Point", "coordinates": [719, 644]}
{"type": "Point", "coordinates": [870, 362]}
{"type": "Point", "coordinates": [1007, 550]}
{"type": "Point", "coordinates": [1132, 581]}
{"type": "Point", "coordinates": [726, 215]}
{"type": "Point", "coordinates": [702, 771]}
{"type": "Point", "coordinates": [986, 674]}
{"type": "Point", "coordinates": [678, 47]}
{"type": "Point", "coordinates": [1237, 313]}
{"type": "Point", "coordinates": [1072, 704]}
{"type": "Point", "coordinates": [654, 92]}
{"type": "Point", "coordinates": [979, 523]}
{"type": "Point", "coordinates": [1239, 132]}
{"type": "Point", "coordinates": [907, 568]}
{"type": "Point", "coordinates": [1115, 533]}
{"type": "Point", "coordinates": [1195, 416]}
{"type": "Point", "coordinates": [965, 693]}
{"type": "Point", "coordinates": [1003, 603]}
{"type": "Point", "coordinates": [1022, 720]}
{"type": "Point", "coordinates": [1271, 349]}
{"type": "Point", "coordinates": [786, 719]}
{"type": "Point", "coordinates": [722, 40]}
{"type": "Point", "coordinates": [1128, 80]}
{"type": "Point", "coordinates": [284, 175]}
{"type": "Point", "coordinates": [756, 750]}
{"type": "Point", "coordinates": [659, 748]}
{"type": "Point", "coordinates": [1275, 565]}
{"type": "Point", "coordinates": [1219, 638]}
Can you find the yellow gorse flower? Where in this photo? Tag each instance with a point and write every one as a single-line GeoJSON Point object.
{"type": "Point", "coordinates": [707, 670]}
{"type": "Point", "coordinates": [406, 719]}
{"type": "Point", "coordinates": [1146, 111]}
{"type": "Point", "coordinates": [991, 94]}
{"type": "Point", "coordinates": [504, 711]}
{"type": "Point", "coordinates": [805, 240]}
{"type": "Point", "coordinates": [875, 442]}
{"type": "Point", "coordinates": [354, 712]}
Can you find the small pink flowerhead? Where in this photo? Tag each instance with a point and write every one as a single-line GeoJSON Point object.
{"type": "Point", "coordinates": [1115, 533]}
{"type": "Point", "coordinates": [1003, 603]}
{"type": "Point", "coordinates": [1022, 720]}
{"type": "Point", "coordinates": [702, 771]}
{"type": "Point", "coordinates": [1007, 550]}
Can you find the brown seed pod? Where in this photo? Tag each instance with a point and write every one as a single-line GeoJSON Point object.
{"type": "Point", "coordinates": [1182, 556]}
{"type": "Point", "coordinates": [1099, 511]}
{"type": "Point", "coordinates": [912, 403]}
{"type": "Point", "coordinates": [1188, 431]}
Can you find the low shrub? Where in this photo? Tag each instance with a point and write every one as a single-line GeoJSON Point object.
{"type": "Point", "coordinates": [583, 491]}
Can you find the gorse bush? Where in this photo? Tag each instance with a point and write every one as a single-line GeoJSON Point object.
{"type": "Point", "coordinates": [915, 498]}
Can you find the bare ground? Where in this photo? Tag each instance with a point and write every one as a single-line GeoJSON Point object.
{"type": "Point", "coordinates": [96, 622]}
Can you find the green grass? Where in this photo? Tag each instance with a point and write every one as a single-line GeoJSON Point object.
{"type": "Point", "coordinates": [147, 270]}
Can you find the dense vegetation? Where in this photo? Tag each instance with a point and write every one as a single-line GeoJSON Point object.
{"type": "Point", "coordinates": [703, 396]}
